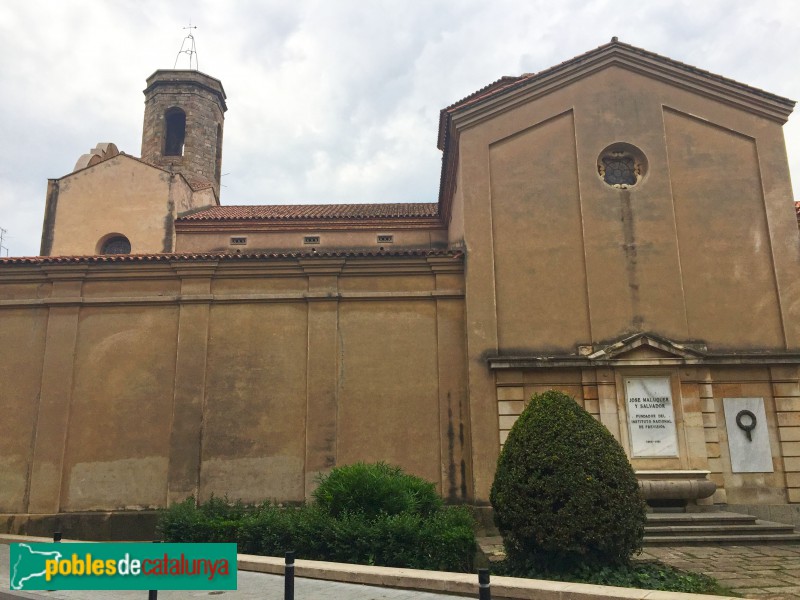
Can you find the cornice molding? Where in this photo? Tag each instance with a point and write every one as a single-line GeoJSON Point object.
{"type": "Point", "coordinates": [616, 355]}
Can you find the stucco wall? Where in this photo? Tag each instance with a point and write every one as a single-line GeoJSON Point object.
{"type": "Point", "coordinates": [687, 252]}
{"type": "Point", "coordinates": [120, 196]}
{"type": "Point", "coordinates": [704, 247]}
{"type": "Point", "coordinates": [140, 386]}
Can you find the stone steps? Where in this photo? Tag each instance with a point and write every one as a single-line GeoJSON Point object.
{"type": "Point", "coordinates": [699, 519]}
{"type": "Point", "coordinates": [695, 529]}
{"type": "Point", "coordinates": [760, 527]}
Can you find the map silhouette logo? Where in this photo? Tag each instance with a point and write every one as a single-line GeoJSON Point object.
{"type": "Point", "coordinates": [27, 563]}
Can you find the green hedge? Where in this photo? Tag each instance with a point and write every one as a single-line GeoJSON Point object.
{"type": "Point", "coordinates": [564, 493]}
{"type": "Point", "coordinates": [365, 514]}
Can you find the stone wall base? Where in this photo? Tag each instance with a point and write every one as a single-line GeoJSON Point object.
{"type": "Point", "coordinates": [93, 526]}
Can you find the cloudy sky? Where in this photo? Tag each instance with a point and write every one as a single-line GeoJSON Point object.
{"type": "Point", "coordinates": [330, 100]}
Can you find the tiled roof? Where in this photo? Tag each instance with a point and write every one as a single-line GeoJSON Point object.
{"type": "Point", "coordinates": [287, 212]}
{"type": "Point", "coordinates": [139, 258]}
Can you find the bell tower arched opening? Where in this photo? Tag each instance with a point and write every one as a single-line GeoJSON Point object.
{"type": "Point", "coordinates": [174, 131]}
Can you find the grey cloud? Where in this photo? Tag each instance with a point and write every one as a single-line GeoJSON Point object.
{"type": "Point", "coordinates": [329, 101]}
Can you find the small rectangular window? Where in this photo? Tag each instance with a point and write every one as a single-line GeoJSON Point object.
{"type": "Point", "coordinates": [238, 241]}
{"type": "Point", "coordinates": [311, 239]}
{"type": "Point", "coordinates": [385, 239]}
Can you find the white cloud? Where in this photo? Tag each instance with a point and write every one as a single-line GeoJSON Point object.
{"type": "Point", "coordinates": [329, 101]}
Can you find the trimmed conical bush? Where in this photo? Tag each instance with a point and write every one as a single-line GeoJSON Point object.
{"type": "Point", "coordinates": [564, 493]}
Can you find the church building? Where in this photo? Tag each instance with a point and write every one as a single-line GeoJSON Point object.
{"type": "Point", "coordinates": [620, 227]}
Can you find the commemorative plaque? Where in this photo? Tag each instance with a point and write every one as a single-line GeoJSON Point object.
{"type": "Point", "coordinates": [651, 417]}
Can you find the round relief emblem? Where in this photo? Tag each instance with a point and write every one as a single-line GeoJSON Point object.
{"type": "Point", "coordinates": [621, 165]}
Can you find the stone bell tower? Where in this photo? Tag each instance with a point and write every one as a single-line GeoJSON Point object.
{"type": "Point", "coordinates": [184, 116]}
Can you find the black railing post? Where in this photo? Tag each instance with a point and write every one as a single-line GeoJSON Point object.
{"type": "Point", "coordinates": [56, 536]}
{"type": "Point", "coordinates": [153, 594]}
{"type": "Point", "coordinates": [288, 577]}
{"type": "Point", "coordinates": [484, 587]}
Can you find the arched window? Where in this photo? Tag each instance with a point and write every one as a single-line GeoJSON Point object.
{"type": "Point", "coordinates": [117, 244]}
{"type": "Point", "coordinates": [175, 136]}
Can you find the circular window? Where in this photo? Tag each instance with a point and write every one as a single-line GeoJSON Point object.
{"type": "Point", "coordinates": [621, 165]}
{"type": "Point", "coordinates": [118, 244]}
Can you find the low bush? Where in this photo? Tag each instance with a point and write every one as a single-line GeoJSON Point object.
{"type": "Point", "coordinates": [375, 489]}
{"type": "Point", "coordinates": [365, 514]}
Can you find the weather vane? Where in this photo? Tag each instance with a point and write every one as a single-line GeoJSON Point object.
{"type": "Point", "coordinates": [188, 47]}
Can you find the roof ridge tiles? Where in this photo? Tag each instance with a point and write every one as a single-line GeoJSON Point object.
{"type": "Point", "coordinates": [285, 212]}
{"type": "Point", "coordinates": [169, 257]}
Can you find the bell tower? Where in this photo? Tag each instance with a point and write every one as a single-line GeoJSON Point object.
{"type": "Point", "coordinates": [184, 115]}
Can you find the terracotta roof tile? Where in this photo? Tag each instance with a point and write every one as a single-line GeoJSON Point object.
{"type": "Point", "coordinates": [140, 258]}
{"type": "Point", "coordinates": [285, 212]}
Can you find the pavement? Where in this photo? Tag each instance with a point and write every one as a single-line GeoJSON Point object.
{"type": "Point", "coordinates": [754, 571]}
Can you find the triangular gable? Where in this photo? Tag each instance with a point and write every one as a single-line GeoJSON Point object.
{"type": "Point", "coordinates": [513, 90]}
{"type": "Point", "coordinates": [509, 92]}
{"type": "Point", "coordinates": [194, 184]}
{"type": "Point", "coordinates": [641, 342]}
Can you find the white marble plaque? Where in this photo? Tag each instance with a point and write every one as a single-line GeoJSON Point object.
{"type": "Point", "coordinates": [651, 417]}
{"type": "Point", "coordinates": [749, 453]}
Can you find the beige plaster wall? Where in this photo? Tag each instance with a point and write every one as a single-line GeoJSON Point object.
{"type": "Point", "coordinates": [120, 414]}
{"type": "Point", "coordinates": [22, 340]}
{"type": "Point", "coordinates": [455, 228]}
{"type": "Point", "coordinates": [724, 240]}
{"type": "Point", "coordinates": [705, 247]}
{"type": "Point", "coordinates": [254, 420]}
{"type": "Point", "coordinates": [687, 253]}
{"type": "Point", "coordinates": [377, 421]}
{"type": "Point", "coordinates": [141, 386]}
{"type": "Point", "coordinates": [538, 240]}
{"type": "Point", "coordinates": [120, 195]}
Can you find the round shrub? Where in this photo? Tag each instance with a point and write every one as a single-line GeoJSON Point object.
{"type": "Point", "coordinates": [375, 489]}
{"type": "Point", "coordinates": [564, 493]}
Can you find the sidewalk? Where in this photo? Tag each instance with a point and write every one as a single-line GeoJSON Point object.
{"type": "Point", "coordinates": [764, 572]}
